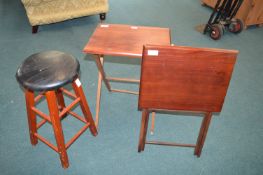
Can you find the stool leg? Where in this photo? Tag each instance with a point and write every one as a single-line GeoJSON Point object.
{"type": "Point", "coordinates": [32, 120]}
{"type": "Point", "coordinates": [84, 106]}
{"type": "Point", "coordinates": [54, 116]}
{"type": "Point", "coordinates": [143, 131]}
{"type": "Point", "coordinates": [202, 134]}
{"type": "Point", "coordinates": [60, 99]}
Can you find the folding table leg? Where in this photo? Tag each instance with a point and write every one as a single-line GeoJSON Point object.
{"type": "Point", "coordinates": [101, 76]}
{"type": "Point", "coordinates": [153, 123]}
{"type": "Point", "coordinates": [98, 98]}
{"type": "Point", "coordinates": [143, 131]}
{"type": "Point", "coordinates": [202, 134]}
{"type": "Point", "coordinates": [99, 62]}
{"type": "Point", "coordinates": [56, 124]}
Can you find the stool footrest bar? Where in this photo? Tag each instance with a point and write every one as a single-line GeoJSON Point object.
{"type": "Point", "coordinates": [77, 116]}
{"type": "Point", "coordinates": [170, 144]}
{"type": "Point", "coordinates": [65, 110]}
{"type": "Point", "coordinates": [41, 123]}
{"type": "Point", "coordinates": [41, 114]}
{"type": "Point", "coordinates": [81, 131]}
{"type": "Point", "coordinates": [46, 142]}
{"type": "Point", "coordinates": [65, 91]}
{"type": "Point", "coordinates": [37, 98]}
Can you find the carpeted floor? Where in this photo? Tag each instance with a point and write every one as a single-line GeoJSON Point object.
{"type": "Point", "coordinates": [235, 138]}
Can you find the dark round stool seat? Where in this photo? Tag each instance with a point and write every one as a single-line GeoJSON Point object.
{"type": "Point", "coordinates": [47, 71]}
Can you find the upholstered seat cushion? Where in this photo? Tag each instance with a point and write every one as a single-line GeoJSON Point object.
{"type": "Point", "coordinates": [50, 11]}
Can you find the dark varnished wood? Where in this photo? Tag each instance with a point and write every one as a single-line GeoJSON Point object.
{"type": "Point", "coordinates": [121, 40]}
{"type": "Point", "coordinates": [57, 111]}
{"type": "Point", "coordinates": [143, 131]}
{"type": "Point", "coordinates": [202, 134]}
{"type": "Point", "coordinates": [85, 107]}
{"type": "Point", "coordinates": [34, 29]}
{"type": "Point", "coordinates": [56, 124]}
{"type": "Point", "coordinates": [31, 116]}
{"type": "Point", "coordinates": [184, 79]}
{"type": "Point", "coordinates": [125, 40]}
{"type": "Point", "coordinates": [60, 99]}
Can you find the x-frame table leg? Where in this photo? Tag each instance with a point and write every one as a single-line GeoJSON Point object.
{"type": "Point", "coordinates": [101, 76]}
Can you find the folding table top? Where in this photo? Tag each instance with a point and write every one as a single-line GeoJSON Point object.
{"type": "Point", "coordinates": [125, 40]}
{"type": "Point", "coordinates": [185, 78]}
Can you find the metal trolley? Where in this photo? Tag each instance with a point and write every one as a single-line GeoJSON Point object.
{"type": "Point", "coordinates": [222, 18]}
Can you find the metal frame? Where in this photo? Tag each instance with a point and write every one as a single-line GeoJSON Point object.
{"type": "Point", "coordinates": [223, 13]}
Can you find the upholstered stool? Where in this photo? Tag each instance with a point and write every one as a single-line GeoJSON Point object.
{"type": "Point", "coordinates": [45, 74]}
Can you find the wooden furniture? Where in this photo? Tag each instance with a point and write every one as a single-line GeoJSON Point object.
{"type": "Point", "coordinates": [121, 40]}
{"type": "Point", "coordinates": [189, 79]}
{"type": "Point", "coordinates": [250, 12]}
{"type": "Point", "coordinates": [40, 12]}
{"type": "Point", "coordinates": [47, 73]}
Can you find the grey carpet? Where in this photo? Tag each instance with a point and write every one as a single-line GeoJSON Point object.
{"type": "Point", "coordinates": [235, 138]}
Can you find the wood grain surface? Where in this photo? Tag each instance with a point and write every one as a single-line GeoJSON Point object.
{"type": "Point", "coordinates": [125, 40]}
{"type": "Point", "coordinates": [185, 78]}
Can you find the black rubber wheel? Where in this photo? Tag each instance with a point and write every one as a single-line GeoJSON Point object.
{"type": "Point", "coordinates": [102, 16]}
{"type": "Point", "coordinates": [236, 26]}
{"type": "Point", "coordinates": [216, 31]}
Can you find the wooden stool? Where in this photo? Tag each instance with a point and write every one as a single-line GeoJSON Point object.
{"type": "Point", "coordinates": [183, 79]}
{"type": "Point", "coordinates": [47, 73]}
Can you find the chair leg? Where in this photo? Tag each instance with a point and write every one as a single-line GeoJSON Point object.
{"type": "Point", "coordinates": [34, 29]}
{"type": "Point", "coordinates": [143, 131]}
{"type": "Point", "coordinates": [202, 134]}
{"type": "Point", "coordinates": [102, 16]}
{"type": "Point", "coordinates": [56, 124]}
{"type": "Point", "coordinates": [32, 120]}
{"type": "Point", "coordinates": [84, 106]}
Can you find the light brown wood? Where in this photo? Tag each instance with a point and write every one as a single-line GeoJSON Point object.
{"type": "Point", "coordinates": [125, 91]}
{"type": "Point", "coordinates": [188, 79]}
{"type": "Point", "coordinates": [125, 40]}
{"type": "Point", "coordinates": [102, 72]}
{"type": "Point", "coordinates": [152, 123]}
{"type": "Point", "coordinates": [98, 96]}
{"type": "Point", "coordinates": [170, 144]}
{"type": "Point", "coordinates": [129, 80]}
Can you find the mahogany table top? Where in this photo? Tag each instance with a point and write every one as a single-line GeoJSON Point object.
{"type": "Point", "coordinates": [125, 40]}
